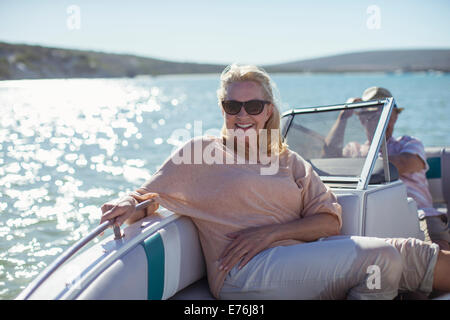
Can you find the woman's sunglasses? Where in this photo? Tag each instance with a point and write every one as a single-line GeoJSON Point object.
{"type": "Point", "coordinates": [252, 107]}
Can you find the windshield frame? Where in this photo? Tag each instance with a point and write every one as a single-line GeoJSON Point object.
{"type": "Point", "coordinates": [378, 139]}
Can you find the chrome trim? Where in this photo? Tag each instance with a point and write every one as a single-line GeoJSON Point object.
{"type": "Point", "coordinates": [339, 179]}
{"type": "Point", "coordinates": [384, 154]}
{"type": "Point", "coordinates": [372, 155]}
{"type": "Point", "coordinates": [288, 126]}
{"type": "Point", "coordinates": [334, 107]}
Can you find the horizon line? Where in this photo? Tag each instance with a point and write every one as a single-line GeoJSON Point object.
{"type": "Point", "coordinates": [223, 63]}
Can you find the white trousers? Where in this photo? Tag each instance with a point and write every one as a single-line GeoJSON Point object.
{"type": "Point", "coordinates": [340, 267]}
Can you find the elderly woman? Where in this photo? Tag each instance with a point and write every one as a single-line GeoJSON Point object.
{"type": "Point", "coordinates": [274, 235]}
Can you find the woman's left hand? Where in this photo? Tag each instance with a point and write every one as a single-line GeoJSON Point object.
{"type": "Point", "coordinates": [245, 245]}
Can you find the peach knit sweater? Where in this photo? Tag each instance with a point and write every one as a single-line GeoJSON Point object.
{"type": "Point", "coordinates": [224, 198]}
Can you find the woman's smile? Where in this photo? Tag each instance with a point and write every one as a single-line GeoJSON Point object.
{"type": "Point", "coordinates": [244, 126]}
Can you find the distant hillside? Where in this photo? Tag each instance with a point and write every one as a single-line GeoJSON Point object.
{"type": "Point", "coordinates": [34, 62]}
{"type": "Point", "coordinates": [388, 61]}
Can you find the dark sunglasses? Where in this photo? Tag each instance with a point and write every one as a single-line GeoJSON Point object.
{"type": "Point", "coordinates": [252, 107]}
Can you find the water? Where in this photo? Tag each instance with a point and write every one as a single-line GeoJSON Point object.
{"type": "Point", "coordinates": [68, 146]}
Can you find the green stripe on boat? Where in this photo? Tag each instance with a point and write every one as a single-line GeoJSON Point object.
{"type": "Point", "coordinates": [154, 250]}
{"type": "Point", "coordinates": [435, 168]}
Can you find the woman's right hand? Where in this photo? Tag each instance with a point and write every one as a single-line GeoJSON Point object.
{"type": "Point", "coordinates": [124, 209]}
{"type": "Point", "coordinates": [120, 210]}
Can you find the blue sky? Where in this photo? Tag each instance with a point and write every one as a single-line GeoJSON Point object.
{"type": "Point", "coordinates": [246, 31]}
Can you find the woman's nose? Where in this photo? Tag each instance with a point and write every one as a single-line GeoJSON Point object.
{"type": "Point", "coordinates": [242, 112]}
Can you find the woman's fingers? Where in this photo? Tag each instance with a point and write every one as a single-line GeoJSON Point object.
{"type": "Point", "coordinates": [230, 260]}
{"type": "Point", "coordinates": [152, 208]}
{"type": "Point", "coordinates": [111, 214]}
{"type": "Point", "coordinates": [230, 247]}
{"type": "Point", "coordinates": [244, 246]}
{"type": "Point", "coordinates": [124, 216]}
{"type": "Point", "coordinates": [234, 252]}
{"type": "Point", "coordinates": [107, 206]}
{"type": "Point", "coordinates": [146, 196]}
{"type": "Point", "coordinates": [244, 253]}
{"type": "Point", "coordinates": [123, 208]}
{"type": "Point", "coordinates": [248, 257]}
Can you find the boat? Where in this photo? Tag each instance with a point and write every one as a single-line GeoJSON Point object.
{"type": "Point", "coordinates": [160, 257]}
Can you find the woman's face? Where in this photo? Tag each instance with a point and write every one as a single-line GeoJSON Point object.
{"type": "Point", "coordinates": [244, 91]}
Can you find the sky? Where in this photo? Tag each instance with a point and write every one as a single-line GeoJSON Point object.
{"type": "Point", "coordinates": [219, 31]}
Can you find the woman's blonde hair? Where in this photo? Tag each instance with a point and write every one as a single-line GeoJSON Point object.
{"type": "Point", "coordinates": [234, 73]}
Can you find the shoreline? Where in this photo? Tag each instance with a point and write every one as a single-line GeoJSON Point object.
{"type": "Point", "coordinates": [25, 62]}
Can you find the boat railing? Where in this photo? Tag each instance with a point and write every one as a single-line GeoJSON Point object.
{"type": "Point", "coordinates": [75, 248]}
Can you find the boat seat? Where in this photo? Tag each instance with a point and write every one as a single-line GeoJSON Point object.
{"type": "Point", "coordinates": [199, 290]}
{"type": "Point", "coordinates": [165, 263]}
{"type": "Point", "coordinates": [183, 260]}
{"type": "Point", "coordinates": [385, 214]}
{"type": "Point", "coordinates": [438, 176]}
{"type": "Point", "coordinates": [183, 263]}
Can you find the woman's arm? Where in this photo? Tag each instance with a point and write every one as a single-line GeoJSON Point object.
{"type": "Point", "coordinates": [309, 228]}
{"type": "Point", "coordinates": [249, 242]}
{"type": "Point", "coordinates": [141, 195]}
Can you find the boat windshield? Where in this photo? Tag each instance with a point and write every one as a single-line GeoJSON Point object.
{"type": "Point", "coordinates": [342, 142]}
